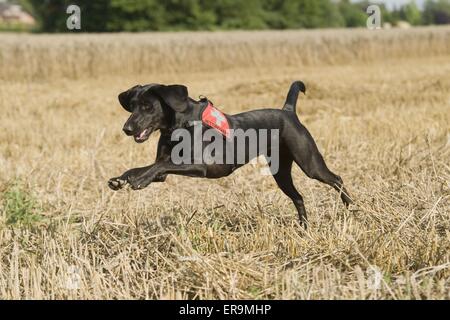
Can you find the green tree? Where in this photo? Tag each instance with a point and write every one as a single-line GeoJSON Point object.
{"type": "Point", "coordinates": [409, 12]}
{"type": "Point", "coordinates": [307, 14]}
{"type": "Point", "coordinates": [236, 14]}
{"type": "Point", "coordinates": [331, 15]}
{"type": "Point", "coordinates": [50, 14]}
{"type": "Point", "coordinates": [437, 12]}
{"type": "Point", "coordinates": [27, 6]}
{"type": "Point", "coordinates": [141, 15]}
{"type": "Point", "coordinates": [189, 14]}
{"type": "Point", "coordinates": [319, 14]}
{"type": "Point", "coordinates": [354, 15]}
{"type": "Point", "coordinates": [94, 14]}
{"type": "Point", "coordinates": [272, 15]}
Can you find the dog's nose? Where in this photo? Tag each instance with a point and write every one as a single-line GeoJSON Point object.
{"type": "Point", "coordinates": [128, 129]}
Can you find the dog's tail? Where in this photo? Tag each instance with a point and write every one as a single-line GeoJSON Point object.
{"type": "Point", "coordinates": [292, 96]}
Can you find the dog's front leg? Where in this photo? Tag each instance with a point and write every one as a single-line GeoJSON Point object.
{"type": "Point", "coordinates": [160, 169]}
{"type": "Point", "coordinates": [121, 181]}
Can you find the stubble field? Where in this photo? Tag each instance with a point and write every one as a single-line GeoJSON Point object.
{"type": "Point", "coordinates": [377, 104]}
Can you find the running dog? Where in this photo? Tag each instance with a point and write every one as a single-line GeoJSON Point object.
{"type": "Point", "coordinates": [168, 107]}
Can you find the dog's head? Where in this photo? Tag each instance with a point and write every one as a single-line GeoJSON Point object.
{"type": "Point", "coordinates": [152, 108]}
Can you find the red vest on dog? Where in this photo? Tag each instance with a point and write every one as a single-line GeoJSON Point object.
{"type": "Point", "coordinates": [214, 118]}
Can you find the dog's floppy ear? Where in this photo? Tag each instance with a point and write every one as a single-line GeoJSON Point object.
{"type": "Point", "coordinates": [125, 97]}
{"type": "Point", "coordinates": [175, 96]}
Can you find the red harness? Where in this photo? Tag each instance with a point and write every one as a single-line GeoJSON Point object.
{"type": "Point", "coordinates": [214, 118]}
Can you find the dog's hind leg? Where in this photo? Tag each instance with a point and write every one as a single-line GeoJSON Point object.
{"type": "Point", "coordinates": [307, 156]}
{"type": "Point", "coordinates": [318, 170]}
{"type": "Point", "coordinates": [284, 181]}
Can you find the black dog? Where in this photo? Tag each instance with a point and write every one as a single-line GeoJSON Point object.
{"type": "Point", "coordinates": [166, 108]}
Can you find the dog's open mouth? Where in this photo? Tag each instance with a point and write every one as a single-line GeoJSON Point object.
{"type": "Point", "coordinates": [141, 137]}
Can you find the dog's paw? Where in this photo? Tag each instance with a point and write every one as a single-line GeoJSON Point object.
{"type": "Point", "coordinates": [138, 183]}
{"type": "Point", "coordinates": [116, 183]}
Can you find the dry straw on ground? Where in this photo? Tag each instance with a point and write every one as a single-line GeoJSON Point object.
{"type": "Point", "coordinates": [378, 106]}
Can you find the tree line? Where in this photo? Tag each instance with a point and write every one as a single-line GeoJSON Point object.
{"type": "Point", "coordinates": [146, 15]}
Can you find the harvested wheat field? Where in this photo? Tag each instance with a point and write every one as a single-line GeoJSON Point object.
{"type": "Point", "coordinates": [377, 104]}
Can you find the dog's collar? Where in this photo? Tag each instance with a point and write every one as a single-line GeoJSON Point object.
{"type": "Point", "coordinates": [196, 115]}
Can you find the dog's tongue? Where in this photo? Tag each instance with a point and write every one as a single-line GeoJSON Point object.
{"type": "Point", "coordinates": [142, 135]}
